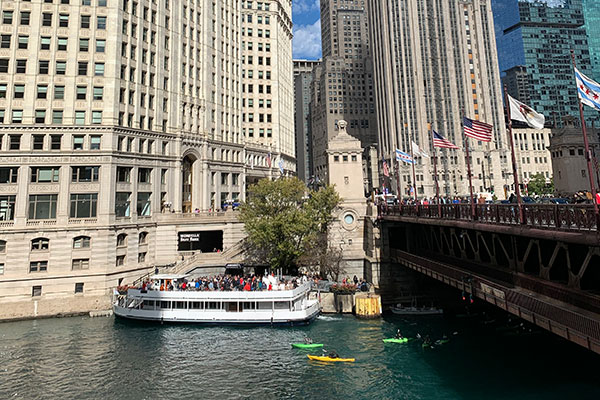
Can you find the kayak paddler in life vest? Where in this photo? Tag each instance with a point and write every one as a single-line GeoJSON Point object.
{"type": "Point", "coordinates": [399, 335]}
{"type": "Point", "coordinates": [330, 354]}
{"type": "Point", "coordinates": [307, 340]}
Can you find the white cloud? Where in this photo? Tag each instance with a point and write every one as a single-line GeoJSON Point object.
{"type": "Point", "coordinates": [307, 41]}
{"type": "Point", "coordinates": [302, 6]}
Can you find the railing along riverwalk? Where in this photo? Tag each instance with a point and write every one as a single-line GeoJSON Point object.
{"type": "Point", "coordinates": [570, 217]}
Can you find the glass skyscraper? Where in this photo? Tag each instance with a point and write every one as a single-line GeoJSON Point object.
{"type": "Point", "coordinates": [591, 13]}
{"type": "Point", "coordinates": [539, 35]}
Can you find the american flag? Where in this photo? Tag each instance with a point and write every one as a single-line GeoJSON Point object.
{"type": "Point", "coordinates": [269, 160]}
{"type": "Point", "coordinates": [440, 141]}
{"type": "Point", "coordinates": [386, 170]}
{"type": "Point", "coordinates": [477, 130]}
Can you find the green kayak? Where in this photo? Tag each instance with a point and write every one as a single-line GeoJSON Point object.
{"type": "Point", "coordinates": [307, 346]}
{"type": "Point", "coordinates": [394, 340]}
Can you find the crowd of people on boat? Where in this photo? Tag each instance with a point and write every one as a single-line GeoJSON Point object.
{"type": "Point", "coordinates": [227, 283]}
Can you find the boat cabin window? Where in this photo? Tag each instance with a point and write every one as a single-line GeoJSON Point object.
{"type": "Point", "coordinates": [148, 304]}
{"type": "Point", "coordinates": [196, 305]}
{"type": "Point", "coordinates": [231, 306]}
{"type": "Point", "coordinates": [265, 305]}
{"type": "Point", "coordinates": [213, 305]}
{"type": "Point", "coordinates": [181, 305]}
{"type": "Point", "coordinates": [164, 305]}
{"type": "Point", "coordinates": [282, 305]}
{"type": "Point", "coordinates": [248, 305]}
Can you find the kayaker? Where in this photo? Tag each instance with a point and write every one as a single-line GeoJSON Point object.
{"type": "Point", "coordinates": [333, 354]}
{"type": "Point", "coordinates": [427, 340]}
{"type": "Point", "coordinates": [307, 340]}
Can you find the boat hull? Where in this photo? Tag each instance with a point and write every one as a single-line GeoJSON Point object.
{"type": "Point", "coordinates": [221, 318]}
{"type": "Point", "coordinates": [329, 359]}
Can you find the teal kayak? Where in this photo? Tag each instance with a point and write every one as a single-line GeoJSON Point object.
{"type": "Point", "coordinates": [307, 346]}
{"type": "Point", "coordinates": [394, 340]}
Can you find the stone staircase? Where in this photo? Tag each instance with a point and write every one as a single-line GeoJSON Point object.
{"type": "Point", "coordinates": [232, 255]}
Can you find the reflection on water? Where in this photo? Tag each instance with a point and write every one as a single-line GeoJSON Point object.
{"type": "Point", "coordinates": [101, 358]}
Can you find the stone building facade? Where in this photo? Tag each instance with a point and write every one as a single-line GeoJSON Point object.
{"type": "Point", "coordinates": [267, 84]}
{"type": "Point", "coordinates": [435, 62]}
{"type": "Point", "coordinates": [343, 84]}
{"type": "Point", "coordinates": [120, 130]}
{"type": "Point", "coordinates": [568, 158]}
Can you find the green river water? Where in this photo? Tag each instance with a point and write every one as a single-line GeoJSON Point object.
{"type": "Point", "coordinates": [104, 358]}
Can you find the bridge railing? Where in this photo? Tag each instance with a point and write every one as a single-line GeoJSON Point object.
{"type": "Point", "coordinates": [575, 217]}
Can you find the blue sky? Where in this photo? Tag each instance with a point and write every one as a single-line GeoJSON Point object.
{"type": "Point", "coordinates": [307, 29]}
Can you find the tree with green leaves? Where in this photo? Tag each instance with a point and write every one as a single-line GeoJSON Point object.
{"type": "Point", "coordinates": [537, 184]}
{"type": "Point", "coordinates": [284, 220]}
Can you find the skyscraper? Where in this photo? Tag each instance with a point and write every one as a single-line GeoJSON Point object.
{"type": "Point", "coordinates": [435, 62]}
{"type": "Point", "coordinates": [591, 14]}
{"type": "Point", "coordinates": [268, 87]}
{"type": "Point", "coordinates": [344, 82]}
{"type": "Point", "coordinates": [303, 74]}
{"type": "Point", "coordinates": [120, 121]}
{"type": "Point", "coordinates": [539, 35]}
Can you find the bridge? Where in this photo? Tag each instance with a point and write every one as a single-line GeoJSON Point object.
{"type": "Point", "coordinates": [539, 262]}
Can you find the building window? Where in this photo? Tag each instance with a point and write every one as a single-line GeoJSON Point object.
{"type": "Point", "coordinates": [9, 174]}
{"type": "Point", "coordinates": [85, 174]}
{"type": "Point", "coordinates": [57, 115]}
{"type": "Point", "coordinates": [79, 120]}
{"type": "Point", "coordinates": [96, 117]}
{"type": "Point", "coordinates": [25, 15]}
{"type": "Point", "coordinates": [23, 42]}
{"type": "Point", "coordinates": [17, 118]}
{"type": "Point", "coordinates": [80, 263]}
{"type": "Point", "coordinates": [63, 20]}
{"type": "Point", "coordinates": [82, 68]}
{"type": "Point", "coordinates": [100, 46]}
{"type": "Point", "coordinates": [81, 242]}
{"type": "Point", "coordinates": [78, 287]}
{"type": "Point", "coordinates": [120, 260]}
{"type": "Point", "coordinates": [1, 268]}
{"type": "Point", "coordinates": [62, 44]}
{"type": "Point", "coordinates": [143, 239]}
{"type": "Point", "coordinates": [44, 174]}
{"type": "Point", "coordinates": [83, 205]}
{"type": "Point", "coordinates": [122, 240]}
{"type": "Point", "coordinates": [45, 43]}
{"type": "Point", "coordinates": [95, 142]}
{"type": "Point", "coordinates": [40, 118]}
{"type": "Point", "coordinates": [55, 142]}
{"type": "Point", "coordinates": [7, 208]}
{"type": "Point", "coordinates": [142, 257]}
{"type": "Point", "coordinates": [2, 246]}
{"type": "Point", "coordinates": [144, 175]}
{"type": "Point", "coordinates": [122, 204]}
{"type": "Point", "coordinates": [40, 244]}
{"type": "Point", "coordinates": [21, 67]}
{"type": "Point", "coordinates": [42, 206]}
{"type": "Point", "coordinates": [81, 92]}
{"type": "Point", "coordinates": [78, 142]}
{"type": "Point", "coordinates": [101, 22]}
{"type": "Point", "coordinates": [144, 203]}
{"type": "Point", "coordinates": [38, 140]}
{"type": "Point", "coordinates": [4, 65]}
{"type": "Point", "coordinates": [36, 291]}
{"type": "Point", "coordinates": [59, 94]}
{"type": "Point", "coordinates": [7, 17]}
{"type": "Point", "coordinates": [123, 174]}
{"type": "Point", "coordinates": [98, 93]}
{"type": "Point", "coordinates": [38, 266]}
{"type": "Point", "coordinates": [85, 22]}
{"type": "Point", "coordinates": [99, 69]}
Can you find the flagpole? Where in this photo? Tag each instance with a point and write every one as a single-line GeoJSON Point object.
{"type": "Point", "coordinates": [514, 159]}
{"type": "Point", "coordinates": [473, 214]}
{"type": "Point", "coordinates": [412, 155]}
{"type": "Point", "coordinates": [588, 154]}
{"type": "Point", "coordinates": [398, 193]}
{"type": "Point", "coordinates": [437, 184]}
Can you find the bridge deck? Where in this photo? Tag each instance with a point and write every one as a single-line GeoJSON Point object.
{"type": "Point", "coordinates": [557, 217]}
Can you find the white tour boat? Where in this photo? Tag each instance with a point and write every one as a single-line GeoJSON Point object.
{"type": "Point", "coordinates": [217, 307]}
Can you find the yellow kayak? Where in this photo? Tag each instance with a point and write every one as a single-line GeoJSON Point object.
{"type": "Point", "coordinates": [319, 358]}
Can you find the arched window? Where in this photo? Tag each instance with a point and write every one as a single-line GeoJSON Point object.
{"type": "Point", "coordinates": [2, 246]}
{"type": "Point", "coordinates": [40, 244]}
{"type": "Point", "coordinates": [122, 240]}
{"type": "Point", "coordinates": [82, 242]}
{"type": "Point", "coordinates": [143, 238]}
